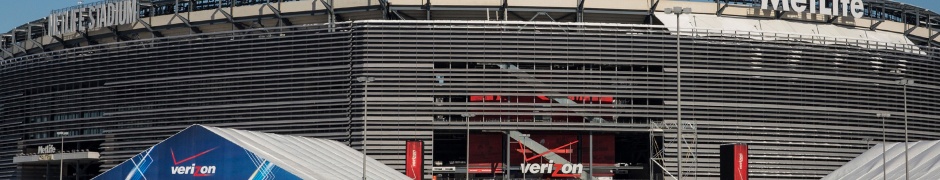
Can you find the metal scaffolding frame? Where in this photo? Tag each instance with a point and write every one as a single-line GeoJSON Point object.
{"type": "Point", "coordinates": [658, 154]}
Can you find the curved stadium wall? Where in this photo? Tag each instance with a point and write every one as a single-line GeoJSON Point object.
{"type": "Point", "coordinates": [804, 104]}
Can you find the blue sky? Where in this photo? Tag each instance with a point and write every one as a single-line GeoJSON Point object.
{"type": "Point", "coordinates": [18, 12]}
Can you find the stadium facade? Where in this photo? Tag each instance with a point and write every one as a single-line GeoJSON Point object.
{"type": "Point", "coordinates": [598, 83]}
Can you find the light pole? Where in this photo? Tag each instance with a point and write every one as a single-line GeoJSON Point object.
{"type": "Point", "coordinates": [468, 116]}
{"type": "Point", "coordinates": [678, 11]}
{"type": "Point", "coordinates": [884, 144]}
{"type": "Point", "coordinates": [365, 119]}
{"type": "Point", "coordinates": [62, 150]}
{"type": "Point", "coordinates": [904, 83]}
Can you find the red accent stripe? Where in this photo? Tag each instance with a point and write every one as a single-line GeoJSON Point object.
{"type": "Point", "coordinates": [549, 151]}
{"type": "Point", "coordinates": [189, 158]}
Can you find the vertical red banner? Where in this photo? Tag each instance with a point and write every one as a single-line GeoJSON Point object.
{"type": "Point", "coordinates": [733, 161]}
{"type": "Point", "coordinates": [740, 161]}
{"type": "Point", "coordinates": [414, 159]}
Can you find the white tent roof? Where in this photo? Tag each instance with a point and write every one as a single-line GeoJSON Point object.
{"type": "Point", "coordinates": [923, 163]}
{"type": "Point", "coordinates": [308, 158]}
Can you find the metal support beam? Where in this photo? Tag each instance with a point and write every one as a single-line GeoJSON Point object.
{"type": "Point", "coordinates": [882, 16]}
{"type": "Point", "coordinates": [386, 13]}
{"type": "Point", "coordinates": [41, 47]}
{"type": "Point", "coordinates": [541, 13]}
{"type": "Point", "coordinates": [653, 7]}
{"type": "Point", "coordinates": [176, 14]}
{"type": "Point", "coordinates": [89, 39]}
{"type": "Point", "coordinates": [515, 15]}
{"type": "Point", "coordinates": [721, 7]}
{"type": "Point", "coordinates": [228, 16]}
{"type": "Point", "coordinates": [331, 18]}
{"type": "Point", "coordinates": [875, 26]}
{"type": "Point", "coordinates": [149, 28]}
{"type": "Point", "coordinates": [193, 29]}
{"type": "Point", "coordinates": [260, 25]}
{"type": "Point", "coordinates": [567, 15]}
{"type": "Point", "coordinates": [909, 30]}
{"type": "Point", "coordinates": [261, 12]}
{"type": "Point", "coordinates": [15, 45]}
{"type": "Point", "coordinates": [934, 36]}
{"type": "Point", "coordinates": [779, 14]}
{"type": "Point", "coordinates": [287, 22]}
{"type": "Point", "coordinates": [10, 54]}
{"type": "Point", "coordinates": [282, 21]}
{"type": "Point", "coordinates": [313, 7]}
{"type": "Point", "coordinates": [192, 6]}
{"type": "Point", "coordinates": [504, 8]}
{"type": "Point", "coordinates": [649, 14]}
{"type": "Point", "coordinates": [339, 18]}
{"type": "Point", "coordinates": [427, 9]}
{"type": "Point", "coordinates": [580, 11]}
{"type": "Point", "coordinates": [29, 36]}
{"type": "Point", "coordinates": [832, 19]}
{"type": "Point", "coordinates": [402, 16]}
{"type": "Point", "coordinates": [912, 28]}
{"type": "Point", "coordinates": [196, 30]}
{"type": "Point", "coordinates": [157, 34]}
{"type": "Point", "coordinates": [117, 34]}
{"type": "Point", "coordinates": [61, 41]}
{"type": "Point", "coordinates": [929, 29]}
{"type": "Point", "coordinates": [241, 26]}
{"type": "Point", "coordinates": [231, 12]}
{"type": "Point", "coordinates": [904, 20]}
{"type": "Point", "coordinates": [21, 48]}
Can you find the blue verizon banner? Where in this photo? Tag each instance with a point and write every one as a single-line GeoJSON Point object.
{"type": "Point", "coordinates": [196, 153]}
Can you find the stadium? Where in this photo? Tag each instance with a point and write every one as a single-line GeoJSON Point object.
{"type": "Point", "coordinates": [625, 89]}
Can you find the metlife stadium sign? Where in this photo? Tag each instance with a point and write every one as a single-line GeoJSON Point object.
{"type": "Point", "coordinates": [839, 7]}
{"type": "Point", "coordinates": [198, 154]}
{"type": "Point", "coordinates": [92, 16]}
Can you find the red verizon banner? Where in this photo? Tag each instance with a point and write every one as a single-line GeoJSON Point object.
{"type": "Point", "coordinates": [734, 161]}
{"type": "Point", "coordinates": [414, 165]}
{"type": "Point", "coordinates": [740, 162]}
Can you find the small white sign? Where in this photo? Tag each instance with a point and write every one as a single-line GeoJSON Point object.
{"type": "Point", "coordinates": [45, 157]}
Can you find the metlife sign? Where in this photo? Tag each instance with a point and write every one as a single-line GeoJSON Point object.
{"type": "Point", "coordinates": [92, 16]}
{"type": "Point", "coordinates": [197, 154]}
{"type": "Point", "coordinates": [837, 8]}
{"type": "Point", "coordinates": [48, 149]}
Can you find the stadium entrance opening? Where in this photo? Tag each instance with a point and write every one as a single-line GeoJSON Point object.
{"type": "Point", "coordinates": [50, 158]}
{"type": "Point", "coordinates": [542, 155]}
